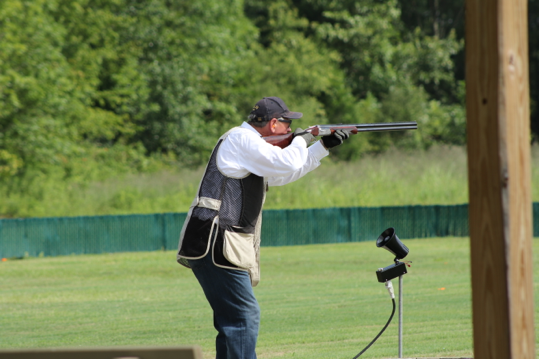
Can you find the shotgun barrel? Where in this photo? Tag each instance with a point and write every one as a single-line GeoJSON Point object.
{"type": "Point", "coordinates": [325, 130]}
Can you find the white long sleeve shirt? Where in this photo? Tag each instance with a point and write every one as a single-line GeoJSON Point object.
{"type": "Point", "coordinates": [244, 152]}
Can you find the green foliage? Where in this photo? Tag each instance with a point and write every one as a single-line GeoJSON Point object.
{"type": "Point", "coordinates": [92, 89]}
{"type": "Point", "coordinates": [57, 111]}
{"type": "Point", "coordinates": [381, 64]}
{"type": "Point", "coordinates": [446, 124]}
{"type": "Point", "coordinates": [9, 164]}
{"type": "Point", "coordinates": [297, 67]}
{"type": "Point", "coordinates": [33, 86]}
{"type": "Point", "coordinates": [366, 35]}
{"type": "Point", "coordinates": [192, 55]}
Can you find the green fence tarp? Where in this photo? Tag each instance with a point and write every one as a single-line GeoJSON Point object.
{"type": "Point", "coordinates": [355, 224]}
{"type": "Point", "coordinates": [84, 235]}
{"type": "Point", "coordinates": [126, 233]}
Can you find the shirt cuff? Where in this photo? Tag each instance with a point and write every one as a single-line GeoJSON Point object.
{"type": "Point", "coordinates": [318, 150]}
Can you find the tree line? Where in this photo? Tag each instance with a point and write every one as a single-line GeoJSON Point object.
{"type": "Point", "coordinates": [124, 83]}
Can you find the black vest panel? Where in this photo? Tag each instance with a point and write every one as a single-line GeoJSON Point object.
{"type": "Point", "coordinates": [241, 204]}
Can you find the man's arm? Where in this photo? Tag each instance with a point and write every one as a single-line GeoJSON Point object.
{"type": "Point", "coordinates": [245, 152]}
{"type": "Point", "coordinates": [315, 153]}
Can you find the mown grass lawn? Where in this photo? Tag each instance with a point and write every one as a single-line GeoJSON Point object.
{"type": "Point", "coordinates": [318, 301]}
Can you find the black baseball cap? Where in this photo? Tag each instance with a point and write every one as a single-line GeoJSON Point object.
{"type": "Point", "coordinates": [272, 107]}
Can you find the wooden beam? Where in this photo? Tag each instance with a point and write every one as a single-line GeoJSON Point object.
{"type": "Point", "coordinates": [500, 208]}
{"type": "Point", "coordinates": [165, 352]}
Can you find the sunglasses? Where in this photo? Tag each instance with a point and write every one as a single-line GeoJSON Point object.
{"type": "Point", "coordinates": [285, 120]}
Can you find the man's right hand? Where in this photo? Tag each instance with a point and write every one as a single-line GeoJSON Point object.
{"type": "Point", "coordinates": [307, 136]}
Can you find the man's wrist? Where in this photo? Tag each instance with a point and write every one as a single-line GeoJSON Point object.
{"type": "Point", "coordinates": [324, 145]}
{"type": "Point", "coordinates": [304, 140]}
{"type": "Point", "coordinates": [318, 150]}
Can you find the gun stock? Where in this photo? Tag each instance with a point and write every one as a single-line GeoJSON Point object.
{"type": "Point", "coordinates": [282, 141]}
{"type": "Point", "coordinates": [323, 130]}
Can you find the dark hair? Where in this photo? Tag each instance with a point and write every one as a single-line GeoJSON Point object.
{"type": "Point", "coordinates": [254, 122]}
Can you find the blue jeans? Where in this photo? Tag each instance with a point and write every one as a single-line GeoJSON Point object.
{"type": "Point", "coordinates": [236, 314]}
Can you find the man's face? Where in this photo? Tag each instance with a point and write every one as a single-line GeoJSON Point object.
{"type": "Point", "coordinates": [283, 126]}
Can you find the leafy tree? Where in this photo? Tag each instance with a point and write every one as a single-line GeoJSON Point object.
{"type": "Point", "coordinates": [34, 87]}
{"type": "Point", "coordinates": [66, 85]}
{"type": "Point", "coordinates": [441, 18]}
{"type": "Point", "coordinates": [378, 57]}
{"type": "Point", "coordinates": [298, 68]}
{"type": "Point", "coordinates": [103, 67]}
{"type": "Point", "coordinates": [438, 19]}
{"type": "Point", "coordinates": [434, 17]}
{"type": "Point", "coordinates": [81, 77]}
{"type": "Point", "coordinates": [377, 54]}
{"type": "Point", "coordinates": [112, 81]}
{"type": "Point", "coordinates": [192, 56]}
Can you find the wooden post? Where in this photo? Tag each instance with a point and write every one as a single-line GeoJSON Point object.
{"type": "Point", "coordinates": [500, 208]}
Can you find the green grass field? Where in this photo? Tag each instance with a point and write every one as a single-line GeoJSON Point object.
{"type": "Point", "coordinates": [318, 301]}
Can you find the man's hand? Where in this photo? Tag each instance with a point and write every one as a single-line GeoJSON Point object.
{"type": "Point", "coordinates": [335, 139]}
{"type": "Point", "coordinates": [307, 136]}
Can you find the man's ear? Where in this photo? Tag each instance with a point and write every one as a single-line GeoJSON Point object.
{"type": "Point", "coordinates": [273, 125]}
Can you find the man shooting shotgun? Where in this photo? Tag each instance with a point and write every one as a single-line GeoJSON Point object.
{"type": "Point", "coordinates": [326, 130]}
{"type": "Point", "coordinates": [220, 239]}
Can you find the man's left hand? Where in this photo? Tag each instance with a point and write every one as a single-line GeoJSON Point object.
{"type": "Point", "coordinates": [335, 139]}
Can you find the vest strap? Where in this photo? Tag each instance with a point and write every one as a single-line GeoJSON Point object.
{"type": "Point", "coordinates": [210, 203]}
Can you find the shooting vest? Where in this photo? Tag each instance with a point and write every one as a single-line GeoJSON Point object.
{"type": "Point", "coordinates": [225, 218]}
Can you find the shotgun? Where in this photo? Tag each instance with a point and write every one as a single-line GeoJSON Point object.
{"type": "Point", "coordinates": [324, 130]}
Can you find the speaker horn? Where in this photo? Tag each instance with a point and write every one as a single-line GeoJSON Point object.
{"type": "Point", "coordinates": [389, 240]}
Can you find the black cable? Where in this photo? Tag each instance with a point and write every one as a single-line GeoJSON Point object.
{"type": "Point", "coordinates": [378, 336]}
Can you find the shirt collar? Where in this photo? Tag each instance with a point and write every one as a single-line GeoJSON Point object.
{"type": "Point", "coordinates": [249, 127]}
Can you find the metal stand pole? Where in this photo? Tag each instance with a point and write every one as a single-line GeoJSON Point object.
{"type": "Point", "coordinates": [400, 316]}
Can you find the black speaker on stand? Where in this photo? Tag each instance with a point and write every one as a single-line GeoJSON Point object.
{"type": "Point", "coordinates": [391, 242]}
